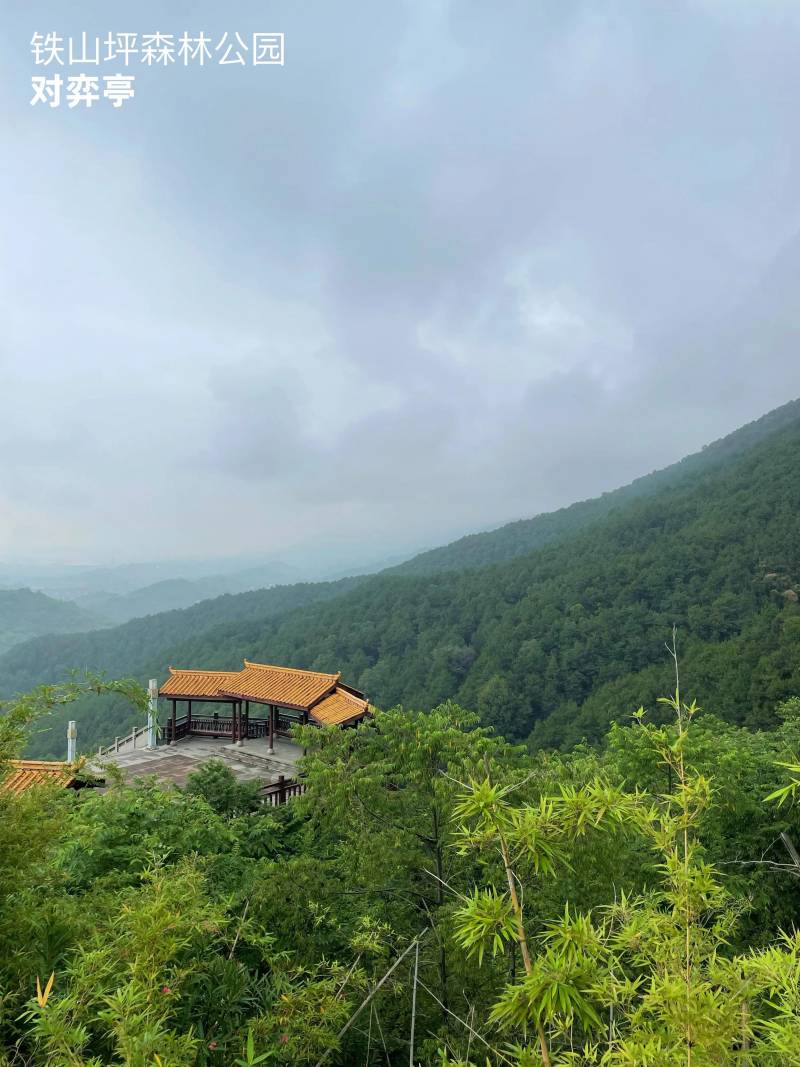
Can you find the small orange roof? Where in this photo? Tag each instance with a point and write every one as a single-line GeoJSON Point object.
{"type": "Point", "coordinates": [339, 707]}
{"type": "Point", "coordinates": [25, 773]}
{"type": "Point", "coordinates": [287, 687]}
{"type": "Point", "coordinates": [186, 683]}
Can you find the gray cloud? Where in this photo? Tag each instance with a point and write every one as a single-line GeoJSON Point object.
{"type": "Point", "coordinates": [451, 265]}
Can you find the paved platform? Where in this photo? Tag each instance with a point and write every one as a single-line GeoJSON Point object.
{"type": "Point", "coordinates": [174, 763]}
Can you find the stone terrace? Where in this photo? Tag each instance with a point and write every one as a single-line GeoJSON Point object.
{"type": "Point", "coordinates": [174, 763]}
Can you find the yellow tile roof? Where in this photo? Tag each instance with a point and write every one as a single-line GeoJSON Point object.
{"type": "Point", "coordinates": [22, 774]}
{"type": "Point", "coordinates": [325, 698]}
{"type": "Point", "coordinates": [287, 687]}
{"type": "Point", "coordinates": [339, 707]}
{"type": "Point", "coordinates": [186, 683]}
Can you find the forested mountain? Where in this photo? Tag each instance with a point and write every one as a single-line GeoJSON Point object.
{"type": "Point", "coordinates": [113, 595]}
{"type": "Point", "coordinates": [558, 641]}
{"type": "Point", "coordinates": [541, 635]}
{"type": "Point", "coordinates": [134, 645]}
{"type": "Point", "coordinates": [518, 538]}
{"type": "Point", "coordinates": [25, 614]}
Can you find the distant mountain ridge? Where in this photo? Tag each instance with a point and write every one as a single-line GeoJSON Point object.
{"type": "Point", "coordinates": [72, 582]}
{"type": "Point", "coordinates": [526, 535]}
{"type": "Point", "coordinates": [25, 614]}
{"type": "Point", "coordinates": [170, 594]}
{"type": "Point", "coordinates": [113, 594]}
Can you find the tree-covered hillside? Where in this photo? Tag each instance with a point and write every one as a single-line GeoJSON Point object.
{"type": "Point", "coordinates": [519, 538]}
{"type": "Point", "coordinates": [567, 634]}
{"type": "Point", "coordinates": [541, 635]}
{"type": "Point", "coordinates": [25, 614]}
{"type": "Point", "coordinates": [130, 647]}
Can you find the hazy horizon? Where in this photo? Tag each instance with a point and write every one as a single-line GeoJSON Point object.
{"type": "Point", "coordinates": [300, 565]}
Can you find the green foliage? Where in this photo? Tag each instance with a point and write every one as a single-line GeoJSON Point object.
{"type": "Point", "coordinates": [18, 716]}
{"type": "Point", "coordinates": [629, 905]}
{"type": "Point", "coordinates": [217, 784]}
{"type": "Point", "coordinates": [486, 920]}
{"type": "Point", "coordinates": [650, 979]}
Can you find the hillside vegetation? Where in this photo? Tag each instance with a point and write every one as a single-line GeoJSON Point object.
{"type": "Point", "coordinates": [631, 904]}
{"type": "Point", "coordinates": [557, 642]}
{"type": "Point", "coordinates": [526, 535]}
{"type": "Point", "coordinates": [25, 614]}
{"type": "Point", "coordinates": [541, 636]}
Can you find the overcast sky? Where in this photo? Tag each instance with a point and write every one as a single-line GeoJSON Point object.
{"type": "Point", "coordinates": [454, 263]}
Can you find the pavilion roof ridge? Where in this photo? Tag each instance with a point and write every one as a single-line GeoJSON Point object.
{"type": "Point", "coordinates": [292, 670]}
{"type": "Point", "coordinates": [346, 694]}
{"type": "Point", "coordinates": [200, 670]}
{"type": "Point", "coordinates": [33, 763]}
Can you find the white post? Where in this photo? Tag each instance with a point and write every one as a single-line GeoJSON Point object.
{"type": "Point", "coordinates": [152, 714]}
{"type": "Point", "coordinates": [72, 741]}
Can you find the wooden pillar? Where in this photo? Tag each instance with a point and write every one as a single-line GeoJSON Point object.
{"type": "Point", "coordinates": [271, 745]}
{"type": "Point", "coordinates": [189, 716]}
{"type": "Point", "coordinates": [174, 722]}
{"type": "Point", "coordinates": [246, 719]}
{"type": "Point", "coordinates": [233, 722]}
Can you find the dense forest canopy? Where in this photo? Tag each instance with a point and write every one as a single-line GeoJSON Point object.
{"type": "Point", "coordinates": [554, 644]}
{"type": "Point", "coordinates": [437, 897]}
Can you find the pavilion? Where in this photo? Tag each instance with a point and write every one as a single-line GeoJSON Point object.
{"type": "Point", "coordinates": [286, 695]}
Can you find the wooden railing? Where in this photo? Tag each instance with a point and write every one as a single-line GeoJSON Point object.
{"type": "Point", "coordinates": [281, 791]}
{"type": "Point", "coordinates": [257, 728]}
{"type": "Point", "coordinates": [283, 727]}
{"type": "Point", "coordinates": [205, 726]}
{"type": "Point", "coordinates": [260, 727]}
{"type": "Point", "coordinates": [222, 726]}
{"type": "Point", "coordinates": [181, 729]}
